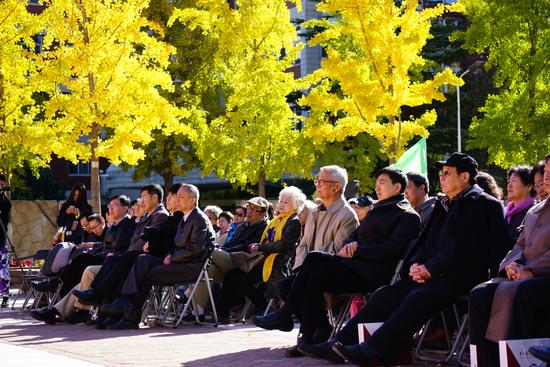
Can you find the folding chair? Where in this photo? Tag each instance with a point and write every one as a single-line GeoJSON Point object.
{"type": "Point", "coordinates": [162, 304]}
{"type": "Point", "coordinates": [28, 277]}
{"type": "Point", "coordinates": [456, 343]}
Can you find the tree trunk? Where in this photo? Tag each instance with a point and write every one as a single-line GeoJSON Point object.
{"type": "Point", "coordinates": [261, 184]}
{"type": "Point", "coordinates": [94, 163]}
{"type": "Point", "coordinates": [168, 182]}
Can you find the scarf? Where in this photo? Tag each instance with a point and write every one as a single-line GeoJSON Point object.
{"type": "Point", "coordinates": [512, 209]}
{"type": "Point", "coordinates": [273, 232]}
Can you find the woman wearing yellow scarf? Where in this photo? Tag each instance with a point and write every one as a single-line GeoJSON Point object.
{"type": "Point", "coordinates": [277, 244]}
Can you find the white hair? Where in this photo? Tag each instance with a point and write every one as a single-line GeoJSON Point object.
{"type": "Point", "coordinates": [338, 173]}
{"type": "Point", "coordinates": [214, 209]}
{"type": "Point", "coordinates": [193, 190]}
{"type": "Point", "coordinates": [297, 197]}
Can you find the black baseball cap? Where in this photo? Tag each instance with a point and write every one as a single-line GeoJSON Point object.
{"type": "Point", "coordinates": [361, 201]}
{"type": "Point", "coordinates": [461, 161]}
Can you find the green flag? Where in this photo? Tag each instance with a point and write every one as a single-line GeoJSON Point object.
{"type": "Point", "coordinates": [414, 159]}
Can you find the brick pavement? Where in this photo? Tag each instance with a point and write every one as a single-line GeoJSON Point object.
{"type": "Point", "coordinates": [188, 345]}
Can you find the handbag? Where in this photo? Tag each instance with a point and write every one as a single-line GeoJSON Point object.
{"type": "Point", "coordinates": [246, 261]}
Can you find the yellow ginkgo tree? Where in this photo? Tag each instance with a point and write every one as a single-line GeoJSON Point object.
{"type": "Point", "coordinates": [254, 137]}
{"type": "Point", "coordinates": [373, 50]}
{"type": "Point", "coordinates": [23, 137]}
{"type": "Point", "coordinates": [105, 67]}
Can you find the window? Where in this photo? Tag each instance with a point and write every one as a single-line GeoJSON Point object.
{"type": "Point", "coordinates": [80, 169]}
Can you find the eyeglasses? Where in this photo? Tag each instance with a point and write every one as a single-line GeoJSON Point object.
{"type": "Point", "coordinates": [321, 182]}
{"type": "Point", "coordinates": [93, 228]}
{"type": "Point", "coordinates": [254, 210]}
{"type": "Point", "coordinates": [113, 206]}
{"type": "Point", "coordinates": [239, 214]}
{"type": "Point", "coordinates": [445, 174]}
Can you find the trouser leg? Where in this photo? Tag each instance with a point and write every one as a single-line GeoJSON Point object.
{"type": "Point", "coordinates": [85, 282]}
{"type": "Point", "coordinates": [419, 305]}
{"type": "Point", "coordinates": [136, 277]}
{"type": "Point", "coordinates": [481, 301]}
{"type": "Point", "coordinates": [531, 305]}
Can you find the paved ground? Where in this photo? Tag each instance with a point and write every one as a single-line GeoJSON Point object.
{"type": "Point", "coordinates": [24, 339]}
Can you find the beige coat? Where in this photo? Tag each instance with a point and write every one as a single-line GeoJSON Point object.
{"type": "Point", "coordinates": [533, 251]}
{"type": "Point", "coordinates": [326, 229]}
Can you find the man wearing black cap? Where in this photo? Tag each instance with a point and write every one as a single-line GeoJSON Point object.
{"type": "Point", "coordinates": [464, 238]}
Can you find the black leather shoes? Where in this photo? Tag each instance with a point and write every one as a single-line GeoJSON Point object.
{"type": "Point", "coordinates": [321, 351]}
{"type": "Point", "coordinates": [542, 353]}
{"type": "Point", "coordinates": [78, 317]}
{"type": "Point", "coordinates": [5, 301]}
{"type": "Point", "coordinates": [274, 321]}
{"type": "Point", "coordinates": [87, 297]}
{"type": "Point", "coordinates": [293, 352]}
{"type": "Point", "coordinates": [352, 353]}
{"type": "Point", "coordinates": [123, 324]}
{"type": "Point", "coordinates": [48, 315]}
{"type": "Point", "coordinates": [104, 320]}
{"type": "Point", "coordinates": [118, 306]}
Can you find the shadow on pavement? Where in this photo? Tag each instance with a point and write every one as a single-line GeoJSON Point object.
{"type": "Point", "coordinates": [255, 357]}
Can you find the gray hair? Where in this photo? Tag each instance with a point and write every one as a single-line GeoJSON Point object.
{"type": "Point", "coordinates": [193, 190]}
{"type": "Point", "coordinates": [297, 197]}
{"type": "Point", "coordinates": [338, 173]}
{"type": "Point", "coordinates": [214, 209]}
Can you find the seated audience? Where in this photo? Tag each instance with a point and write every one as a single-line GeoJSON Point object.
{"type": "Point", "coordinates": [277, 243]}
{"type": "Point", "coordinates": [463, 239]}
{"type": "Point", "coordinates": [238, 219]}
{"type": "Point", "coordinates": [520, 187]}
{"type": "Point", "coordinates": [538, 182]}
{"type": "Point", "coordinates": [213, 212]}
{"type": "Point", "coordinates": [225, 221]}
{"type": "Point", "coordinates": [193, 241]}
{"type": "Point", "coordinates": [416, 192]}
{"type": "Point", "coordinates": [361, 206]}
{"type": "Point", "coordinates": [366, 261]}
{"type": "Point", "coordinates": [489, 185]}
{"type": "Point", "coordinates": [503, 307]}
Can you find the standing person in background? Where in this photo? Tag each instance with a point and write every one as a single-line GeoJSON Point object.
{"type": "Point", "coordinates": [520, 200]}
{"type": "Point", "coordinates": [5, 210]}
{"type": "Point", "coordinates": [75, 205]}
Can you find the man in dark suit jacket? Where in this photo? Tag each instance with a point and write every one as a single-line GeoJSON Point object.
{"type": "Point", "coordinates": [115, 268]}
{"type": "Point", "coordinates": [465, 237]}
{"type": "Point", "coordinates": [116, 241]}
{"type": "Point", "coordinates": [194, 239]}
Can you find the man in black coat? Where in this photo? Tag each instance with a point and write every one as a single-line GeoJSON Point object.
{"type": "Point", "coordinates": [194, 239]}
{"type": "Point", "coordinates": [464, 239]}
{"type": "Point", "coordinates": [366, 261]}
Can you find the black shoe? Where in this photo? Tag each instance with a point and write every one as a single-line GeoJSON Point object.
{"type": "Point", "coordinates": [87, 297]}
{"type": "Point", "coordinates": [542, 353]}
{"type": "Point", "coordinates": [274, 320]}
{"type": "Point", "coordinates": [48, 315]}
{"type": "Point", "coordinates": [45, 285]}
{"type": "Point", "coordinates": [357, 355]}
{"type": "Point", "coordinates": [293, 352]}
{"type": "Point", "coordinates": [105, 320]}
{"type": "Point", "coordinates": [123, 324]}
{"type": "Point", "coordinates": [118, 306]}
{"type": "Point", "coordinates": [5, 300]}
{"type": "Point", "coordinates": [78, 317]}
{"type": "Point", "coordinates": [191, 318]}
{"type": "Point", "coordinates": [320, 351]}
